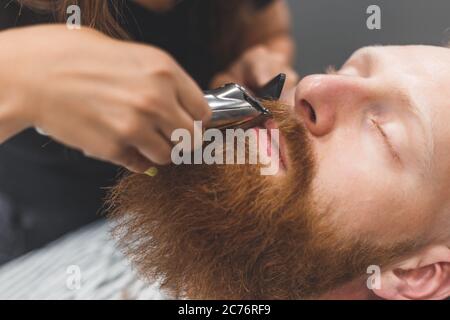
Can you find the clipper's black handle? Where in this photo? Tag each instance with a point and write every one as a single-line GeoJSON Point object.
{"type": "Point", "coordinates": [273, 89]}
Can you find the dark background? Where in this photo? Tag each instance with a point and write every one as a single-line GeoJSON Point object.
{"type": "Point", "coordinates": [328, 31]}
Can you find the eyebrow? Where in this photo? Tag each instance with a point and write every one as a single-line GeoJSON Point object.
{"type": "Point", "coordinates": [428, 141]}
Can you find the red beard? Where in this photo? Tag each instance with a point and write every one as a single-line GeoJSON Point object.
{"type": "Point", "coordinates": [226, 232]}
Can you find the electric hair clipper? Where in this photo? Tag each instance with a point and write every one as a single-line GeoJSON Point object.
{"type": "Point", "coordinates": [234, 107]}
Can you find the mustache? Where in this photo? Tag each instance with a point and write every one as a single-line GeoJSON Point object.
{"type": "Point", "coordinates": [298, 144]}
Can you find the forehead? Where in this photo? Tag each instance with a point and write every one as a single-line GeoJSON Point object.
{"type": "Point", "coordinates": [420, 74]}
{"type": "Point", "coordinates": [420, 60]}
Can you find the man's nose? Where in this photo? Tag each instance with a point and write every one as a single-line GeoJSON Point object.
{"type": "Point", "coordinates": [322, 101]}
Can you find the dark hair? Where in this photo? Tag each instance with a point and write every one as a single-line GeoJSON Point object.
{"type": "Point", "coordinates": [226, 18]}
{"type": "Point", "coordinates": [98, 14]}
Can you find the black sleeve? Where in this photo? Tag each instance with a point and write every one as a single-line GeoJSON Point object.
{"type": "Point", "coordinates": [9, 12]}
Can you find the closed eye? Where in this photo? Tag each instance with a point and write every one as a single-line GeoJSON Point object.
{"type": "Point", "coordinates": [386, 141]}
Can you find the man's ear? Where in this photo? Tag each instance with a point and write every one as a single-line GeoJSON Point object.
{"type": "Point", "coordinates": [423, 276]}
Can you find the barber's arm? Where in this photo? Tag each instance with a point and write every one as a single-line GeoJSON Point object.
{"type": "Point", "coordinates": [127, 111]}
{"type": "Point", "coordinates": [269, 49]}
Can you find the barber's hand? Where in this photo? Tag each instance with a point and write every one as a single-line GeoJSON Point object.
{"type": "Point", "coordinates": [256, 67]}
{"type": "Point", "coordinates": [113, 100]}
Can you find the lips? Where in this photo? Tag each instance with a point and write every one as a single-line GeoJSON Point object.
{"type": "Point", "coordinates": [272, 125]}
{"type": "Point", "coordinates": [269, 126]}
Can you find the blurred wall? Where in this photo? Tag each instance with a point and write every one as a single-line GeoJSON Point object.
{"type": "Point", "coordinates": [328, 31]}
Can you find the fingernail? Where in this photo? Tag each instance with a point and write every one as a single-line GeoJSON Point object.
{"type": "Point", "coordinates": [153, 171]}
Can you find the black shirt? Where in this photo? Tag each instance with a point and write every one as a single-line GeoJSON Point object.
{"type": "Point", "coordinates": [47, 189]}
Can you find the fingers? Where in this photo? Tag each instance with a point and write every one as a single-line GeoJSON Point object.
{"type": "Point", "coordinates": [133, 160]}
{"type": "Point", "coordinates": [147, 128]}
{"type": "Point", "coordinates": [258, 79]}
{"type": "Point", "coordinates": [139, 131]}
{"type": "Point", "coordinates": [288, 96]}
{"type": "Point", "coordinates": [150, 133]}
{"type": "Point", "coordinates": [179, 119]}
{"type": "Point", "coordinates": [261, 72]}
{"type": "Point", "coordinates": [154, 147]}
{"type": "Point", "coordinates": [134, 142]}
{"type": "Point", "coordinates": [191, 98]}
{"type": "Point", "coordinates": [292, 78]}
{"type": "Point", "coordinates": [137, 157]}
{"type": "Point", "coordinates": [256, 68]}
{"type": "Point", "coordinates": [119, 154]}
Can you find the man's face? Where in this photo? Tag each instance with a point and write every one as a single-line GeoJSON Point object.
{"type": "Point", "coordinates": [379, 130]}
{"type": "Point", "coordinates": [364, 183]}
